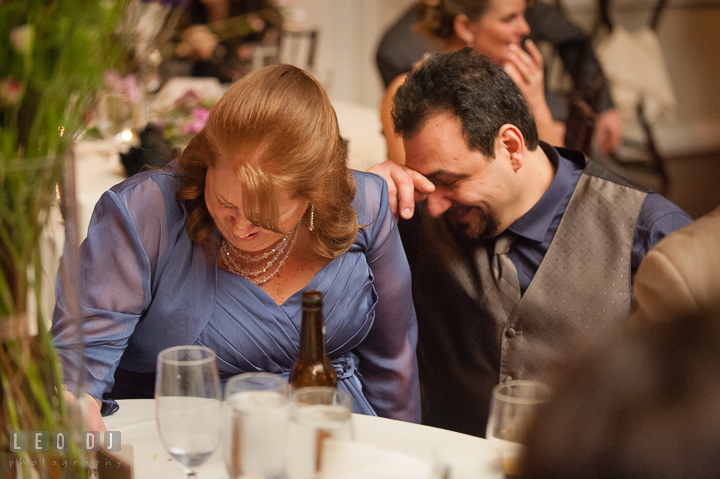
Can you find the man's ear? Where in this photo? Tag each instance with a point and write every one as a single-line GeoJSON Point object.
{"type": "Point", "coordinates": [462, 26]}
{"type": "Point", "coordinates": [512, 143]}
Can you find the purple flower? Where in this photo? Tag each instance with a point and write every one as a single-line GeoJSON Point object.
{"type": "Point", "coordinates": [132, 89]}
{"type": "Point", "coordinates": [199, 117]}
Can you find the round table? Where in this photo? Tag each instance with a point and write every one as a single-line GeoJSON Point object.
{"type": "Point", "coordinates": [136, 422]}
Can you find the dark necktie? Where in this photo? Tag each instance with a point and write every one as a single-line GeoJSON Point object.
{"type": "Point", "coordinates": [505, 274]}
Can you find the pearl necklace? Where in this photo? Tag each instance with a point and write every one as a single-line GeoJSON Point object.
{"type": "Point", "coordinates": [286, 241]}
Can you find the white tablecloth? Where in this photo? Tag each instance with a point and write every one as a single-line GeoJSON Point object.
{"type": "Point", "coordinates": [136, 422]}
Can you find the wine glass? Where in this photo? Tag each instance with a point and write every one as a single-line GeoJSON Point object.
{"type": "Point", "coordinates": [188, 403]}
{"type": "Point", "coordinates": [513, 405]}
{"type": "Point", "coordinates": [316, 414]}
{"type": "Point", "coordinates": [117, 120]}
{"type": "Point", "coordinates": [256, 414]}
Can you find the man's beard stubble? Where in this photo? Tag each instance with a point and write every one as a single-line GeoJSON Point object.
{"type": "Point", "coordinates": [472, 221]}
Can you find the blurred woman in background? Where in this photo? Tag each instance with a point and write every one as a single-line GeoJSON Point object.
{"type": "Point", "coordinates": [494, 28]}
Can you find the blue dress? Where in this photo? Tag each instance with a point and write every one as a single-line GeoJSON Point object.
{"type": "Point", "coordinates": [147, 286]}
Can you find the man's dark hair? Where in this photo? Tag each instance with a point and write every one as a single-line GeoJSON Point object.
{"type": "Point", "coordinates": [471, 87]}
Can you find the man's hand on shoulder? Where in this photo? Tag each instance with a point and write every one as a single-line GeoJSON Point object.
{"type": "Point", "coordinates": [406, 187]}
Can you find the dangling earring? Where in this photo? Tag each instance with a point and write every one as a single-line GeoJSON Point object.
{"type": "Point", "coordinates": [312, 217]}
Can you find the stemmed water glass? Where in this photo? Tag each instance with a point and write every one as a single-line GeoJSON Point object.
{"type": "Point", "coordinates": [513, 405]}
{"type": "Point", "coordinates": [188, 403]}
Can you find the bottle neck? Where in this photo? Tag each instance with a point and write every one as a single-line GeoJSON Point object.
{"type": "Point", "coordinates": [312, 335]}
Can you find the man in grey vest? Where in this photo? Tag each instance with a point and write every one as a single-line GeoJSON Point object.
{"type": "Point", "coordinates": [520, 252]}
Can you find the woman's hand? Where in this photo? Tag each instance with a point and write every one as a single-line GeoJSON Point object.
{"type": "Point", "coordinates": [526, 69]}
{"type": "Point", "coordinates": [93, 417]}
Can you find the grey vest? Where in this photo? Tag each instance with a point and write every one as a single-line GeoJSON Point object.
{"type": "Point", "coordinates": [581, 291]}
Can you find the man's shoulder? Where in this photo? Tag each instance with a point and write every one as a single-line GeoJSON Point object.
{"type": "Point", "coordinates": [659, 210]}
{"type": "Point", "coordinates": [593, 168]}
{"type": "Point", "coordinates": [656, 211]}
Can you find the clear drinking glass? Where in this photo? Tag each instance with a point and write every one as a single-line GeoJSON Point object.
{"type": "Point", "coordinates": [118, 120]}
{"type": "Point", "coordinates": [256, 415]}
{"type": "Point", "coordinates": [513, 405]}
{"type": "Point", "coordinates": [316, 414]}
{"type": "Point", "coordinates": [188, 404]}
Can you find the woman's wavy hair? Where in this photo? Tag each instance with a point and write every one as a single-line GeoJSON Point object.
{"type": "Point", "coordinates": [277, 128]}
{"type": "Point", "coordinates": [437, 17]}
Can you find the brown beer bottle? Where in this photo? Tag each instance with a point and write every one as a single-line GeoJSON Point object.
{"type": "Point", "coordinates": [313, 367]}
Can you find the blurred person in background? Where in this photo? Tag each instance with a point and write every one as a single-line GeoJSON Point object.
{"type": "Point", "coordinates": [403, 45]}
{"type": "Point", "coordinates": [643, 406]}
{"type": "Point", "coordinates": [219, 36]}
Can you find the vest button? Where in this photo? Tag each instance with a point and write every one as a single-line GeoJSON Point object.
{"type": "Point", "coordinates": [510, 332]}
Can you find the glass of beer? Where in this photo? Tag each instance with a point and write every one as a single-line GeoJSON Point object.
{"type": "Point", "coordinates": [513, 405]}
{"type": "Point", "coordinates": [316, 414]}
{"type": "Point", "coordinates": [256, 413]}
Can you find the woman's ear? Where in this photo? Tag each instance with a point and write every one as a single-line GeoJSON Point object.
{"type": "Point", "coordinates": [511, 141]}
{"type": "Point", "coordinates": [463, 29]}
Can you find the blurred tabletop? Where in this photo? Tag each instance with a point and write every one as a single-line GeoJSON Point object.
{"type": "Point", "coordinates": [410, 447]}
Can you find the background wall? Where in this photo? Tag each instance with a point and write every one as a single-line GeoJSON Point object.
{"type": "Point", "coordinates": [349, 33]}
